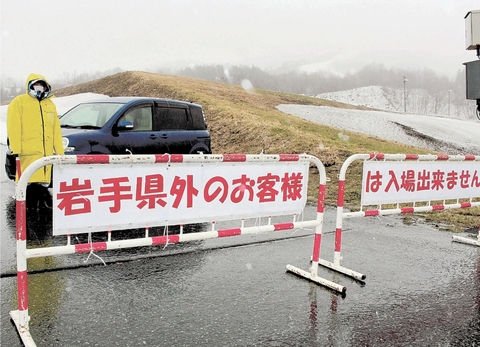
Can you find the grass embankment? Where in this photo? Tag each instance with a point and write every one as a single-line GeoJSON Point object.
{"type": "Point", "coordinates": [248, 122]}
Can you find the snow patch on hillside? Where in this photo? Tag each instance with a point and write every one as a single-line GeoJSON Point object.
{"type": "Point", "coordinates": [414, 101]}
{"type": "Point", "coordinates": [440, 134]}
{"type": "Point", "coordinates": [372, 96]}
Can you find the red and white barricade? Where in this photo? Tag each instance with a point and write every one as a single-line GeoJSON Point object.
{"type": "Point", "coordinates": [93, 193]}
{"type": "Point", "coordinates": [407, 179]}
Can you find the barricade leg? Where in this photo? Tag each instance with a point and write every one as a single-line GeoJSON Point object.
{"type": "Point", "coordinates": [20, 317]}
{"type": "Point", "coordinates": [313, 274]}
{"type": "Point", "coordinates": [468, 240]}
{"type": "Point", "coordinates": [338, 240]}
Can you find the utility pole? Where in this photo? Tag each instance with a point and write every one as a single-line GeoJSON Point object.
{"type": "Point", "coordinates": [405, 80]}
{"type": "Point", "coordinates": [449, 91]}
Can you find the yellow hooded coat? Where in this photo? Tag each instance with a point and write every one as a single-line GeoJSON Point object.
{"type": "Point", "coordinates": [33, 130]}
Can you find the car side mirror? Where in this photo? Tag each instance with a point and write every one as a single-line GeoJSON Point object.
{"type": "Point", "coordinates": [125, 125]}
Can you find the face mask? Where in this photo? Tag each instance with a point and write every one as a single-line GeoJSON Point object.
{"type": "Point", "coordinates": [39, 88]}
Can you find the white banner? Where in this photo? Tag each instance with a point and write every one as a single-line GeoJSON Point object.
{"type": "Point", "coordinates": [102, 197]}
{"type": "Point", "coordinates": [386, 182]}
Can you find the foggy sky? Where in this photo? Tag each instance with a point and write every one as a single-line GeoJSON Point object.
{"type": "Point", "coordinates": [59, 38]}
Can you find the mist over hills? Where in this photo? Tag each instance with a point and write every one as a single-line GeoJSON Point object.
{"type": "Point", "coordinates": [425, 91]}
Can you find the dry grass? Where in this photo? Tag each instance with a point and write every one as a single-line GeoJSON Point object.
{"type": "Point", "coordinates": [248, 122]}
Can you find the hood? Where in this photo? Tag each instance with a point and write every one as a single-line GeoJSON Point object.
{"type": "Point", "coordinates": [69, 131]}
{"type": "Point", "coordinates": [32, 78]}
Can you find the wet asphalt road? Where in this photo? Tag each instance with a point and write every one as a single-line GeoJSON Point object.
{"type": "Point", "coordinates": [421, 289]}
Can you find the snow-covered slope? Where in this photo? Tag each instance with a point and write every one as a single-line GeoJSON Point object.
{"type": "Point", "coordinates": [440, 134]}
{"type": "Point", "coordinates": [372, 96]}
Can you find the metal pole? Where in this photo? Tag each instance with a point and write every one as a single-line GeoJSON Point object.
{"type": "Point", "coordinates": [449, 91]}
{"type": "Point", "coordinates": [404, 95]}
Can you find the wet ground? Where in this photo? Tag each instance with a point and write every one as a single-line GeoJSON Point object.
{"type": "Point", "coordinates": [421, 289]}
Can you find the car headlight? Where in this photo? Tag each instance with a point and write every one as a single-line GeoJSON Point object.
{"type": "Point", "coordinates": [66, 148]}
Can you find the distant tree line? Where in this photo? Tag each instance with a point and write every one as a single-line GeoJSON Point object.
{"type": "Point", "coordinates": [323, 82]}
{"type": "Point", "coordinates": [425, 91]}
{"type": "Point", "coordinates": [435, 86]}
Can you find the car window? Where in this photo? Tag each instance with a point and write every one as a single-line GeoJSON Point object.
{"type": "Point", "coordinates": [141, 117]}
{"type": "Point", "coordinates": [170, 118]}
{"type": "Point", "coordinates": [198, 119]}
{"type": "Point", "coordinates": [96, 114]}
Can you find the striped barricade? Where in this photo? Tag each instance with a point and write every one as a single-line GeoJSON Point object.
{"type": "Point", "coordinates": [93, 193]}
{"type": "Point", "coordinates": [418, 181]}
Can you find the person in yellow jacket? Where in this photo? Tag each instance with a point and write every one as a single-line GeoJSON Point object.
{"type": "Point", "coordinates": [33, 128]}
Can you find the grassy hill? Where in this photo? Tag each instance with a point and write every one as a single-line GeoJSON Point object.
{"type": "Point", "coordinates": [243, 121]}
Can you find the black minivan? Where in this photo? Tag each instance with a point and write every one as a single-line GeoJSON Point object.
{"type": "Point", "coordinates": [132, 125]}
